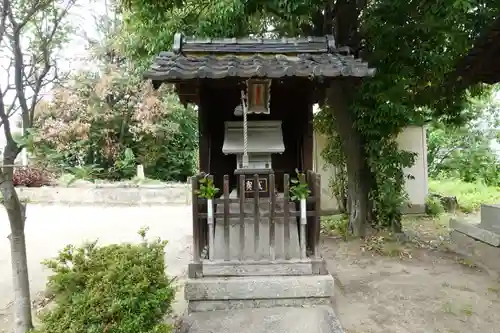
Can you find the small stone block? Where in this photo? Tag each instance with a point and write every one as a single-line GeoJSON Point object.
{"type": "Point", "coordinates": [490, 217]}
{"type": "Point", "coordinates": [475, 231]}
{"type": "Point", "coordinates": [195, 270]}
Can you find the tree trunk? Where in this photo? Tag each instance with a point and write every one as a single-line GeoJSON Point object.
{"type": "Point", "coordinates": [358, 172]}
{"type": "Point", "coordinates": [16, 212]}
{"type": "Point", "coordinates": [22, 302]}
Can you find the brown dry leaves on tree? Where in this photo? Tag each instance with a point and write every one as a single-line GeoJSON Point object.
{"type": "Point", "coordinates": [108, 112]}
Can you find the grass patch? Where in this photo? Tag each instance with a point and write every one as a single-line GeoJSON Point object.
{"type": "Point", "coordinates": [433, 207]}
{"type": "Point", "coordinates": [495, 290]}
{"type": "Point", "coordinates": [470, 196]}
{"type": "Point", "coordinates": [466, 262]}
{"type": "Point", "coordinates": [427, 227]}
{"type": "Point", "coordinates": [335, 225]}
{"type": "Point", "coordinates": [450, 308]}
{"type": "Point", "coordinates": [385, 244]}
{"type": "Point", "coordinates": [467, 310]}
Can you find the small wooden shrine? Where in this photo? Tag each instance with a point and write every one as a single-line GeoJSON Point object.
{"type": "Point", "coordinates": [255, 102]}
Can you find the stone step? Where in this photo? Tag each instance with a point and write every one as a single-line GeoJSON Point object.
{"type": "Point", "coordinates": [257, 268]}
{"type": "Point", "coordinates": [210, 294]}
{"type": "Point", "coordinates": [319, 319]}
{"type": "Point", "coordinates": [231, 304]}
{"type": "Point", "coordinates": [475, 231]}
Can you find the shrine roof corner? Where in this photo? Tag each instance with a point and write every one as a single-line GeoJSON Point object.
{"type": "Point", "coordinates": [193, 58]}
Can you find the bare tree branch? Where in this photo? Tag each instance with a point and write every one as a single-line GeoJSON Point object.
{"type": "Point", "coordinates": [36, 6]}
{"type": "Point", "coordinates": [8, 86]}
{"type": "Point", "coordinates": [33, 66]}
{"type": "Point", "coordinates": [18, 65]}
{"type": "Point", "coordinates": [40, 63]}
{"type": "Point", "coordinates": [6, 12]}
{"type": "Point", "coordinates": [3, 20]}
{"type": "Point", "coordinates": [6, 124]}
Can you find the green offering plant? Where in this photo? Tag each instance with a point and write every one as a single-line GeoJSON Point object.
{"type": "Point", "coordinates": [299, 189]}
{"type": "Point", "coordinates": [207, 188]}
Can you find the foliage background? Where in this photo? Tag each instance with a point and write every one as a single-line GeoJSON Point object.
{"type": "Point", "coordinates": [112, 121]}
{"type": "Point", "coordinates": [467, 152]}
{"type": "Point", "coordinates": [103, 121]}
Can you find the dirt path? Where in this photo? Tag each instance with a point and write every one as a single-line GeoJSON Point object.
{"type": "Point", "coordinates": [433, 291]}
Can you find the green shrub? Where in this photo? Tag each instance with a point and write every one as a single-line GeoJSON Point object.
{"type": "Point", "coordinates": [338, 224]}
{"type": "Point", "coordinates": [120, 288]}
{"type": "Point", "coordinates": [433, 206]}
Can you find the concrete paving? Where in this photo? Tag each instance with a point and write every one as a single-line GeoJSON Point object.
{"type": "Point", "coordinates": [50, 227]}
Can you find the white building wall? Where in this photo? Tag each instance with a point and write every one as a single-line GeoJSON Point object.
{"type": "Point", "coordinates": [412, 138]}
{"type": "Point", "coordinates": [328, 201]}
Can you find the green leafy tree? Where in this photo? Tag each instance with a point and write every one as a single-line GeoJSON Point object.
{"type": "Point", "coordinates": [31, 34]}
{"type": "Point", "coordinates": [412, 44]}
{"type": "Point", "coordinates": [465, 152]}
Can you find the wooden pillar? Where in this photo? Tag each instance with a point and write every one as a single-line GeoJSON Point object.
{"type": "Point", "coordinates": [308, 140]}
{"type": "Point", "coordinates": [204, 136]}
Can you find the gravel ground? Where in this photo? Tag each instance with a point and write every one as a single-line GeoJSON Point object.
{"type": "Point", "coordinates": [433, 291]}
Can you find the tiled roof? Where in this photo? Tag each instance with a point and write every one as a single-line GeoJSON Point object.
{"type": "Point", "coordinates": [169, 66]}
{"type": "Point", "coordinates": [247, 58]}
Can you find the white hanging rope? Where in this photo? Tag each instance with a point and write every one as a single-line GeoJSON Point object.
{"type": "Point", "coordinates": [245, 130]}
